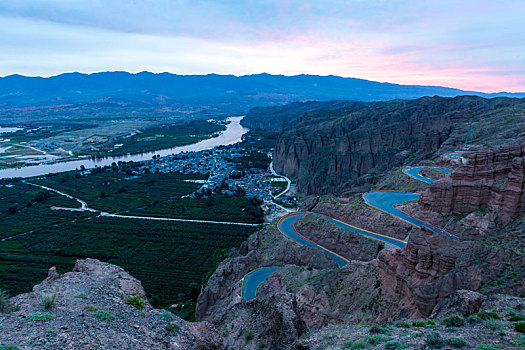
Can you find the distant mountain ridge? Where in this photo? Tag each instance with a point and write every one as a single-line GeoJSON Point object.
{"type": "Point", "coordinates": [170, 89]}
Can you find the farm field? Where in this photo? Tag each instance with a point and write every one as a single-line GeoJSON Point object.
{"type": "Point", "coordinates": [171, 259]}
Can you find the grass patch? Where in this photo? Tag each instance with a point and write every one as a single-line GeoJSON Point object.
{"type": "Point", "coordinates": [39, 317]}
{"type": "Point", "coordinates": [103, 315]}
{"type": "Point", "coordinates": [172, 327]}
{"type": "Point", "coordinates": [136, 301]}
{"type": "Point", "coordinates": [48, 300]}
{"type": "Point", "coordinates": [91, 308]}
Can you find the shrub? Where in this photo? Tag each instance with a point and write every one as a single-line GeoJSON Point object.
{"type": "Point", "coordinates": [402, 324]}
{"type": "Point", "coordinates": [456, 343]}
{"type": "Point", "coordinates": [376, 339]}
{"type": "Point", "coordinates": [39, 317]}
{"type": "Point", "coordinates": [434, 340]}
{"type": "Point", "coordinates": [453, 321]}
{"type": "Point", "coordinates": [172, 327]}
{"type": "Point", "coordinates": [393, 345]}
{"type": "Point", "coordinates": [514, 318]}
{"type": "Point", "coordinates": [359, 344]}
{"type": "Point", "coordinates": [375, 329]}
{"type": "Point", "coordinates": [520, 327]}
{"type": "Point", "coordinates": [103, 315]}
{"type": "Point", "coordinates": [91, 308]}
{"type": "Point", "coordinates": [48, 300]}
{"type": "Point", "coordinates": [4, 301]}
{"type": "Point", "coordinates": [493, 325]}
{"type": "Point", "coordinates": [422, 323]}
{"type": "Point", "coordinates": [488, 315]}
{"type": "Point", "coordinates": [485, 347]}
{"type": "Point", "coordinates": [167, 316]}
{"type": "Point", "coordinates": [519, 342]}
{"type": "Point", "coordinates": [12, 209]}
{"type": "Point", "coordinates": [82, 296]}
{"type": "Point", "coordinates": [416, 334]}
{"type": "Point", "coordinates": [8, 347]}
{"type": "Point", "coordinates": [248, 336]}
{"type": "Point", "coordinates": [135, 301]}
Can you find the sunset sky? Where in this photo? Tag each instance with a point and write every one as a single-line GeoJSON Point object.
{"type": "Point", "coordinates": [472, 45]}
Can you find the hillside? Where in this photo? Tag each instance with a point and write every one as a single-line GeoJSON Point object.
{"type": "Point", "coordinates": [333, 151]}
{"type": "Point", "coordinates": [201, 90]}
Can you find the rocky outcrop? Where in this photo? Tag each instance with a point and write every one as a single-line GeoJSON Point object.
{"type": "Point", "coordinates": [86, 309]}
{"type": "Point", "coordinates": [331, 153]}
{"type": "Point", "coordinates": [492, 177]}
{"type": "Point", "coordinates": [267, 247]}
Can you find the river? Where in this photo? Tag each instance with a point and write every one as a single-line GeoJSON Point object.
{"type": "Point", "coordinates": [232, 134]}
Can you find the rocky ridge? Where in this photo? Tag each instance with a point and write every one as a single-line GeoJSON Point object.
{"type": "Point", "coordinates": [334, 152]}
{"type": "Point", "coordinates": [86, 309]}
{"type": "Point", "coordinates": [493, 177]}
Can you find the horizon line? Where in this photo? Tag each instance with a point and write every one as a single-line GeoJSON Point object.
{"type": "Point", "coordinates": [252, 74]}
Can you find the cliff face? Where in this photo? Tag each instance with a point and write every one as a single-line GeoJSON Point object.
{"type": "Point", "coordinates": [329, 152]}
{"type": "Point", "coordinates": [491, 178]}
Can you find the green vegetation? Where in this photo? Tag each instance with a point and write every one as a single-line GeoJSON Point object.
{"type": "Point", "coordinates": [113, 190]}
{"type": "Point", "coordinates": [39, 316]}
{"type": "Point", "coordinates": [103, 315]}
{"type": "Point", "coordinates": [160, 137]}
{"type": "Point", "coordinates": [516, 317]}
{"type": "Point", "coordinates": [48, 300]}
{"type": "Point", "coordinates": [485, 347]}
{"type": "Point", "coordinates": [376, 339]}
{"type": "Point", "coordinates": [456, 343]}
{"type": "Point", "coordinates": [248, 336]}
{"type": "Point", "coordinates": [91, 308]}
{"type": "Point", "coordinates": [254, 159]}
{"type": "Point", "coordinates": [434, 340]}
{"type": "Point", "coordinates": [393, 345]}
{"type": "Point", "coordinates": [4, 301]}
{"type": "Point", "coordinates": [487, 315]}
{"type": "Point", "coordinates": [136, 301]}
{"type": "Point", "coordinates": [171, 259]}
{"type": "Point", "coordinates": [379, 330]}
{"type": "Point", "coordinates": [423, 323]}
{"type": "Point", "coordinates": [82, 296]}
{"type": "Point", "coordinates": [172, 327]}
{"type": "Point", "coordinates": [453, 321]}
{"type": "Point", "coordinates": [8, 347]}
{"type": "Point", "coordinates": [520, 327]}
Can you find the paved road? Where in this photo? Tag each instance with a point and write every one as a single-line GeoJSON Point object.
{"type": "Point", "coordinates": [287, 227]}
{"type": "Point", "coordinates": [102, 213]}
{"type": "Point", "coordinates": [253, 279]}
{"type": "Point", "coordinates": [413, 172]}
{"type": "Point", "coordinates": [382, 200]}
{"type": "Point", "coordinates": [287, 180]}
{"type": "Point", "coordinates": [386, 202]}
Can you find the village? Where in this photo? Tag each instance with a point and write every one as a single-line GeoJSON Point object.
{"type": "Point", "coordinates": [228, 176]}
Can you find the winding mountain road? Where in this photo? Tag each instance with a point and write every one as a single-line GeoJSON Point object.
{"type": "Point", "coordinates": [385, 201]}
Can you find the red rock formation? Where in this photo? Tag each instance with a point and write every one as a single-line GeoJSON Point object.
{"type": "Point", "coordinates": [492, 178]}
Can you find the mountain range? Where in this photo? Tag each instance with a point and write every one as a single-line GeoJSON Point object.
{"type": "Point", "coordinates": [217, 90]}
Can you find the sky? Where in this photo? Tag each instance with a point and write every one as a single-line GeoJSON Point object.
{"type": "Point", "coordinates": [468, 44]}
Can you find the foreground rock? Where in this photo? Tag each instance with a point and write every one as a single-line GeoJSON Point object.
{"type": "Point", "coordinates": [89, 312]}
